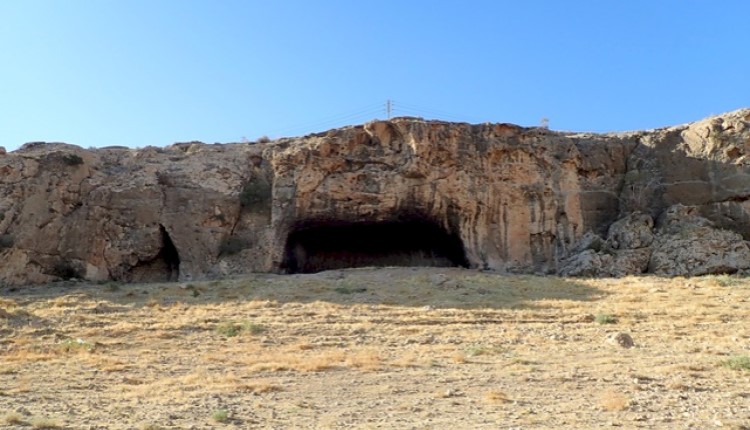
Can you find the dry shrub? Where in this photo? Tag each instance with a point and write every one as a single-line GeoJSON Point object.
{"type": "Point", "coordinates": [14, 418]}
{"type": "Point", "coordinates": [459, 358]}
{"type": "Point", "coordinates": [496, 396]}
{"type": "Point", "coordinates": [612, 401]}
{"type": "Point", "coordinates": [200, 381]}
{"type": "Point", "coordinates": [258, 387]}
{"type": "Point", "coordinates": [409, 359]}
{"type": "Point", "coordinates": [27, 354]}
{"type": "Point", "coordinates": [365, 360]}
{"type": "Point", "coordinates": [292, 360]}
{"type": "Point", "coordinates": [45, 423]}
{"type": "Point", "coordinates": [677, 385]}
{"type": "Point", "coordinates": [105, 364]}
{"type": "Point", "coordinates": [319, 362]}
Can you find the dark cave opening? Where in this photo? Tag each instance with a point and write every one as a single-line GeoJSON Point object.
{"type": "Point", "coordinates": [165, 266]}
{"type": "Point", "coordinates": [169, 255]}
{"type": "Point", "coordinates": [326, 245]}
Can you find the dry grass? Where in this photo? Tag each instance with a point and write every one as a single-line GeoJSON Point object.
{"type": "Point", "coordinates": [14, 419]}
{"type": "Point", "coordinates": [45, 423]}
{"type": "Point", "coordinates": [613, 401]}
{"type": "Point", "coordinates": [496, 396]}
{"type": "Point", "coordinates": [394, 350]}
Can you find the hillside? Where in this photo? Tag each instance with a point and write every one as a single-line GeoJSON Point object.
{"type": "Point", "coordinates": [378, 348]}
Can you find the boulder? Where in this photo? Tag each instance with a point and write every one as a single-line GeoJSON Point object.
{"type": "Point", "coordinates": [631, 232]}
{"type": "Point", "coordinates": [687, 244]}
{"type": "Point", "coordinates": [588, 264]}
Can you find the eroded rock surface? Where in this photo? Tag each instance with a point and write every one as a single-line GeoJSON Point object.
{"type": "Point", "coordinates": [513, 199]}
{"type": "Point", "coordinates": [688, 244]}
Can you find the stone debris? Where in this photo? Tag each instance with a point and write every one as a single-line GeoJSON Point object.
{"type": "Point", "coordinates": [620, 339]}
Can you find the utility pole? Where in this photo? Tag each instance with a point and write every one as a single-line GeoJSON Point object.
{"type": "Point", "coordinates": [388, 108]}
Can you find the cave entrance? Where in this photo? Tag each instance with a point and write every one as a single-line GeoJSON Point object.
{"type": "Point", "coordinates": [326, 245]}
{"type": "Point", "coordinates": [165, 266]}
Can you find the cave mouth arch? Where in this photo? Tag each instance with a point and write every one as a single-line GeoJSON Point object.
{"type": "Point", "coordinates": [164, 266]}
{"type": "Point", "coordinates": [315, 246]}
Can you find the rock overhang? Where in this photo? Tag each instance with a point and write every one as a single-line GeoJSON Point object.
{"type": "Point", "coordinates": [518, 199]}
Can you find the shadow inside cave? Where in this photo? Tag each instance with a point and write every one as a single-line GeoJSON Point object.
{"type": "Point", "coordinates": [416, 241]}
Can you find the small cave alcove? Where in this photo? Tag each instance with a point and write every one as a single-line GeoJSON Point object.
{"type": "Point", "coordinates": [325, 245]}
{"type": "Point", "coordinates": [165, 266]}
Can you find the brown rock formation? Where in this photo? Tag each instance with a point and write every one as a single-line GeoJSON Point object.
{"type": "Point", "coordinates": [405, 191]}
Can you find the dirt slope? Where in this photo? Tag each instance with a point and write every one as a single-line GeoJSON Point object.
{"type": "Point", "coordinates": [386, 348]}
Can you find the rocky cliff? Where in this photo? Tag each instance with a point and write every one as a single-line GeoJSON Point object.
{"type": "Point", "coordinates": [406, 191]}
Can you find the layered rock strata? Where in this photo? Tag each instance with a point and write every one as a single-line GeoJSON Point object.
{"type": "Point", "coordinates": [497, 196]}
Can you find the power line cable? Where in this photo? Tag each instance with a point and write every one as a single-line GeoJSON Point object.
{"type": "Point", "coordinates": [405, 107]}
{"type": "Point", "coordinates": [366, 111]}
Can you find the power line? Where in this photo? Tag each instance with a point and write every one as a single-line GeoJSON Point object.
{"type": "Point", "coordinates": [435, 113]}
{"type": "Point", "coordinates": [368, 113]}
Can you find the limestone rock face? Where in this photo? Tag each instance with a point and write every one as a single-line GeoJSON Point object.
{"type": "Point", "coordinates": [631, 232]}
{"type": "Point", "coordinates": [626, 251]}
{"type": "Point", "coordinates": [689, 245]}
{"type": "Point", "coordinates": [504, 197]}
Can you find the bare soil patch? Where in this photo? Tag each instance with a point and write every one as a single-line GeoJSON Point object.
{"type": "Point", "coordinates": [378, 348]}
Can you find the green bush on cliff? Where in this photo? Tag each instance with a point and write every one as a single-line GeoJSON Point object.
{"type": "Point", "coordinates": [6, 241]}
{"type": "Point", "coordinates": [255, 192]}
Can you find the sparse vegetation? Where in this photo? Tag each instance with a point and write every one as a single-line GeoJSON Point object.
{"type": "Point", "coordinates": [14, 419]}
{"type": "Point", "coordinates": [639, 188]}
{"type": "Point", "coordinates": [164, 179]}
{"type": "Point", "coordinates": [738, 362]}
{"type": "Point", "coordinates": [45, 423]}
{"type": "Point", "coordinates": [256, 194]}
{"type": "Point", "coordinates": [76, 345]}
{"type": "Point", "coordinates": [112, 286]}
{"type": "Point", "coordinates": [477, 350]}
{"type": "Point", "coordinates": [603, 318]}
{"type": "Point", "coordinates": [72, 159]}
{"type": "Point", "coordinates": [233, 245]}
{"type": "Point", "coordinates": [263, 139]}
{"type": "Point", "coordinates": [496, 396]}
{"type": "Point", "coordinates": [612, 401]}
{"type": "Point", "coordinates": [233, 328]}
{"type": "Point", "coordinates": [194, 290]}
{"type": "Point", "coordinates": [729, 280]}
{"type": "Point", "coordinates": [349, 290]}
{"type": "Point", "coordinates": [220, 415]}
{"type": "Point", "coordinates": [6, 241]}
{"type": "Point", "coordinates": [525, 352]}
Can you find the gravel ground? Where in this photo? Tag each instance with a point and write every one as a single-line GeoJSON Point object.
{"type": "Point", "coordinates": [407, 348]}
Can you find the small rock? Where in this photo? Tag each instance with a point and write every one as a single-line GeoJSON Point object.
{"type": "Point", "coordinates": [621, 339]}
{"type": "Point", "coordinates": [438, 279]}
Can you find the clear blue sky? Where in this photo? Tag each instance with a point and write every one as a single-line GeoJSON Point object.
{"type": "Point", "coordinates": [154, 72]}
